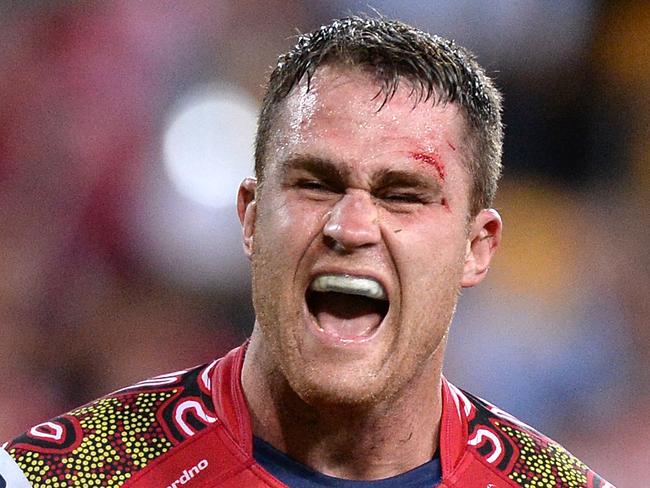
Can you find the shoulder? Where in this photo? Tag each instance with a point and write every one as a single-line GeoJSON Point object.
{"type": "Point", "coordinates": [119, 434]}
{"type": "Point", "coordinates": [520, 453]}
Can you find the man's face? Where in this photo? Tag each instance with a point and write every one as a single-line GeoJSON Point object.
{"type": "Point", "coordinates": [359, 237]}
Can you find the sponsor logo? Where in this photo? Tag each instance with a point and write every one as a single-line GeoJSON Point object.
{"type": "Point", "coordinates": [187, 475]}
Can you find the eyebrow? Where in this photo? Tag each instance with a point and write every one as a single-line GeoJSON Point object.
{"type": "Point", "coordinates": [322, 167]}
{"type": "Point", "coordinates": [326, 169]}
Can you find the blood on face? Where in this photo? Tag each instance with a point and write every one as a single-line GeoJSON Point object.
{"type": "Point", "coordinates": [432, 160]}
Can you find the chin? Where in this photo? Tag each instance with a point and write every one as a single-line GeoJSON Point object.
{"type": "Point", "coordinates": [339, 389]}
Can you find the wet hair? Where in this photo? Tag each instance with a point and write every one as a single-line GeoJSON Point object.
{"type": "Point", "coordinates": [436, 69]}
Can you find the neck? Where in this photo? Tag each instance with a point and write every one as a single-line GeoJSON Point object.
{"type": "Point", "coordinates": [352, 442]}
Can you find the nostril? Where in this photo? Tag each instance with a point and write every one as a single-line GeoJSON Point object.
{"type": "Point", "coordinates": [334, 244]}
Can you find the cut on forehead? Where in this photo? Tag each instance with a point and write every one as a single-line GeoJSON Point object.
{"type": "Point", "coordinates": [333, 74]}
{"type": "Point", "coordinates": [397, 54]}
{"type": "Point", "coordinates": [335, 85]}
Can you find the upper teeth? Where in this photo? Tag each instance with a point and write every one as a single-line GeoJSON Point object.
{"type": "Point", "coordinates": [353, 285]}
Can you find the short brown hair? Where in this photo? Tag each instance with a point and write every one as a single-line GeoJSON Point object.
{"type": "Point", "coordinates": [437, 69]}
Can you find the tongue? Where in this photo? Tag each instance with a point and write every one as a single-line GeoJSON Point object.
{"type": "Point", "coordinates": [346, 316]}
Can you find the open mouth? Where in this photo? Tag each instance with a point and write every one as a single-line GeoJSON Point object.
{"type": "Point", "coordinates": [347, 307]}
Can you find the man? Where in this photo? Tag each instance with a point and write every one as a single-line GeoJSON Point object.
{"type": "Point", "coordinates": [377, 159]}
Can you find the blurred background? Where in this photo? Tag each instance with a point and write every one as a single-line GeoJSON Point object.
{"type": "Point", "coordinates": [125, 127]}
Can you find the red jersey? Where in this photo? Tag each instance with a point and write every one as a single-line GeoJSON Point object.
{"type": "Point", "coordinates": [192, 429]}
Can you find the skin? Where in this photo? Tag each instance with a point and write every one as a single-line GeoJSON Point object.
{"type": "Point", "coordinates": [347, 190]}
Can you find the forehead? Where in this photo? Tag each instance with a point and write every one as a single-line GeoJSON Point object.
{"type": "Point", "coordinates": [344, 111]}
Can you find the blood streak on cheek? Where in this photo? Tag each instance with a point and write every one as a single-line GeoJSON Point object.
{"type": "Point", "coordinates": [432, 160]}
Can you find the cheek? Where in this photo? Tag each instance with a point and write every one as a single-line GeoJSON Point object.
{"type": "Point", "coordinates": [425, 235]}
{"type": "Point", "coordinates": [280, 215]}
{"type": "Point", "coordinates": [427, 256]}
{"type": "Point", "coordinates": [286, 229]}
{"type": "Point", "coordinates": [302, 220]}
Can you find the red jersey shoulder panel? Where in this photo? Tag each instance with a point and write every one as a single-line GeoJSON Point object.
{"type": "Point", "coordinates": [116, 436]}
{"type": "Point", "coordinates": [519, 453]}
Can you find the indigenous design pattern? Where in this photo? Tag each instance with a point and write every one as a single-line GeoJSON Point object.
{"type": "Point", "coordinates": [522, 454]}
{"type": "Point", "coordinates": [107, 441]}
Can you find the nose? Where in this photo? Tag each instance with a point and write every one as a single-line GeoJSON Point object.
{"type": "Point", "coordinates": [353, 222]}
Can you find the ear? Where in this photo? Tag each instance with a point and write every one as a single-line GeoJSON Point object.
{"type": "Point", "coordinates": [247, 210]}
{"type": "Point", "coordinates": [482, 242]}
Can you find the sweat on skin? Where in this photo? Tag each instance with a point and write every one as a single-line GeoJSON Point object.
{"type": "Point", "coordinates": [343, 194]}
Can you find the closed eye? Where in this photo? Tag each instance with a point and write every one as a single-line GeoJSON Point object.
{"type": "Point", "coordinates": [314, 175]}
{"type": "Point", "coordinates": [403, 198]}
{"type": "Point", "coordinates": [406, 190]}
{"type": "Point", "coordinates": [312, 185]}
{"type": "Point", "coordinates": [316, 189]}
